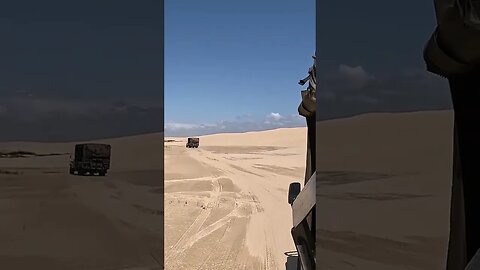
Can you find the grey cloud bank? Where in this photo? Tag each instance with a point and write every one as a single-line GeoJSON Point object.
{"type": "Point", "coordinates": [350, 91]}
{"type": "Point", "coordinates": [43, 119]}
{"type": "Point", "coordinates": [240, 124]}
{"type": "Point", "coordinates": [344, 92]}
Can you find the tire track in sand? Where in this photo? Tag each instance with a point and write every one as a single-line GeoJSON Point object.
{"type": "Point", "coordinates": [183, 242]}
{"type": "Point", "coordinates": [223, 257]}
{"type": "Point", "coordinates": [229, 226]}
{"type": "Point", "coordinates": [251, 199]}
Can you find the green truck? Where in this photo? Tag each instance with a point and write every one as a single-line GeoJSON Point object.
{"type": "Point", "coordinates": [193, 142]}
{"type": "Point", "coordinates": [90, 159]}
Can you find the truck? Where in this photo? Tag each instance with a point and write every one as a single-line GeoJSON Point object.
{"type": "Point", "coordinates": [90, 159]}
{"type": "Point", "coordinates": [193, 142]}
{"type": "Point", "coordinates": [303, 201]}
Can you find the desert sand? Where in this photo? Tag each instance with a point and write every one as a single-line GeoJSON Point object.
{"type": "Point", "coordinates": [383, 191]}
{"type": "Point", "coordinates": [52, 220]}
{"type": "Point", "coordinates": [226, 201]}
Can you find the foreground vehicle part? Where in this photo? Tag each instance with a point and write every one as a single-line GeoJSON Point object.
{"type": "Point", "coordinates": [303, 201]}
{"type": "Point", "coordinates": [303, 230]}
{"type": "Point", "coordinates": [453, 52]}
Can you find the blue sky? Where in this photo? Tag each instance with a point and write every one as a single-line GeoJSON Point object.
{"type": "Point", "coordinates": [234, 65]}
{"type": "Point", "coordinates": [80, 70]}
{"type": "Point", "coordinates": [94, 69]}
{"type": "Point", "coordinates": [371, 58]}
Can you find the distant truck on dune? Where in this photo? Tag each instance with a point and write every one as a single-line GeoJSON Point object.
{"type": "Point", "coordinates": [91, 158]}
{"type": "Point", "coordinates": [193, 142]}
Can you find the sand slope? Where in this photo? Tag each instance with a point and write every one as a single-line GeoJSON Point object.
{"type": "Point", "coordinates": [52, 220]}
{"type": "Point", "coordinates": [226, 201]}
{"type": "Point", "coordinates": [383, 191]}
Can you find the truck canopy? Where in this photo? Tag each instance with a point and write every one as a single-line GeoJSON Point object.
{"type": "Point", "coordinates": [193, 140]}
{"type": "Point", "coordinates": [92, 151]}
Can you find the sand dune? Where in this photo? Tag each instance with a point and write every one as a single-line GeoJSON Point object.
{"type": "Point", "coordinates": [52, 220]}
{"type": "Point", "coordinates": [382, 195]}
{"type": "Point", "coordinates": [226, 201]}
{"type": "Point", "coordinates": [383, 191]}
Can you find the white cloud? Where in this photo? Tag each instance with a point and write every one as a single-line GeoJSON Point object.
{"type": "Point", "coordinates": [27, 118]}
{"type": "Point", "coordinates": [347, 91]}
{"type": "Point", "coordinates": [275, 116]}
{"type": "Point", "coordinates": [24, 93]}
{"type": "Point", "coordinates": [356, 76]}
{"type": "Point", "coordinates": [187, 126]}
{"type": "Point", "coordinates": [179, 126]}
{"type": "Point", "coordinates": [34, 108]}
